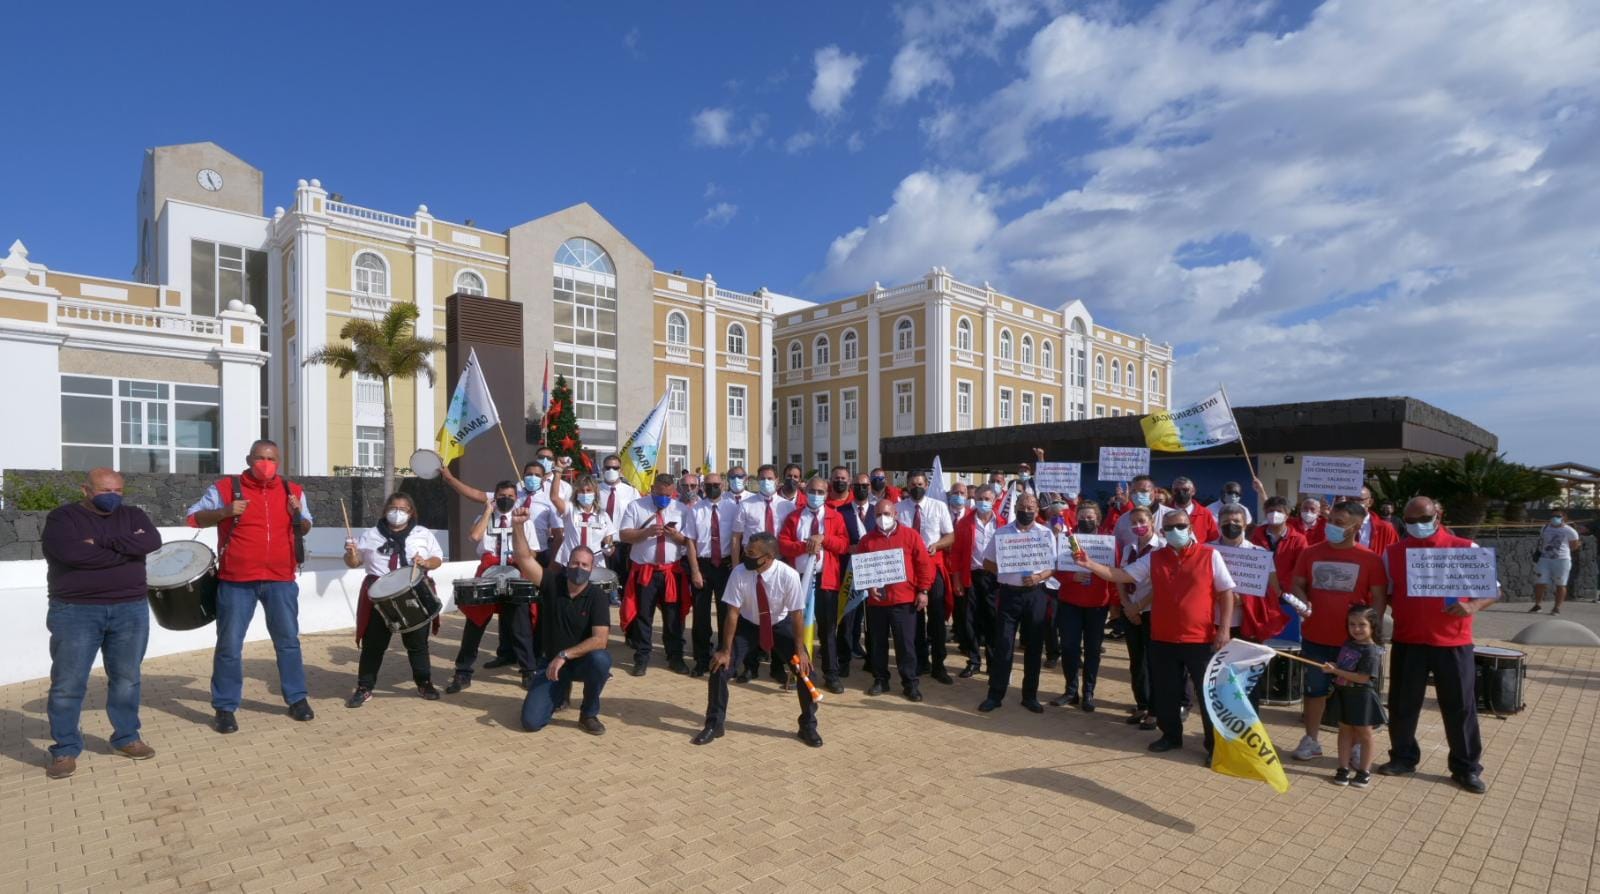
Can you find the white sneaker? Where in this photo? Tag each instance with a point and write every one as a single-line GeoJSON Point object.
{"type": "Point", "coordinates": [1308, 749]}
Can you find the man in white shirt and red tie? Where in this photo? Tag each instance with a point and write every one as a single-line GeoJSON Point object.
{"type": "Point", "coordinates": [493, 531]}
{"type": "Point", "coordinates": [762, 511]}
{"type": "Point", "coordinates": [711, 518]}
{"type": "Point", "coordinates": [931, 519]}
{"type": "Point", "coordinates": [654, 529]}
{"type": "Point", "coordinates": [765, 610]}
{"type": "Point", "coordinates": [615, 495]}
{"type": "Point", "coordinates": [815, 533]}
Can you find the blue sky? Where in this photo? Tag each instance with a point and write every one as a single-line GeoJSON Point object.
{"type": "Point", "coordinates": [1309, 200]}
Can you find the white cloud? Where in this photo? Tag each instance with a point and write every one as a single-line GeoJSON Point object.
{"type": "Point", "coordinates": [799, 142]}
{"type": "Point", "coordinates": [719, 127]}
{"type": "Point", "coordinates": [630, 41]}
{"type": "Point", "coordinates": [837, 72]}
{"type": "Point", "coordinates": [915, 68]}
{"type": "Point", "coordinates": [854, 142]}
{"type": "Point", "coordinates": [1395, 198]}
{"type": "Point", "coordinates": [719, 214]}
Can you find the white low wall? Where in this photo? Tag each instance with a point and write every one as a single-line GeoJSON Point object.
{"type": "Point", "coordinates": [328, 592]}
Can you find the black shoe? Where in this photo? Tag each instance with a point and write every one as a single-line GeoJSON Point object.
{"type": "Point", "coordinates": [878, 687]}
{"type": "Point", "coordinates": [1148, 723]}
{"type": "Point", "coordinates": [810, 737]}
{"type": "Point", "coordinates": [1341, 776]}
{"type": "Point", "coordinates": [457, 683]}
{"type": "Point", "coordinates": [677, 666]}
{"type": "Point", "coordinates": [988, 705]}
{"type": "Point", "coordinates": [706, 736]}
{"type": "Point", "coordinates": [1535, 608]}
{"type": "Point", "coordinates": [743, 677]}
{"type": "Point", "coordinates": [1183, 713]}
{"type": "Point", "coordinates": [361, 696]}
{"type": "Point", "coordinates": [858, 653]}
{"type": "Point", "coordinates": [1472, 782]}
{"type": "Point", "coordinates": [1136, 717]}
{"type": "Point", "coordinates": [1395, 768]}
{"type": "Point", "coordinates": [943, 676]}
{"type": "Point", "coordinates": [913, 693]}
{"type": "Point", "coordinates": [527, 680]}
{"type": "Point", "coordinates": [301, 711]}
{"type": "Point", "coordinates": [969, 670]}
{"type": "Point", "coordinates": [1361, 779]}
{"type": "Point", "coordinates": [1087, 704]}
{"type": "Point", "coordinates": [699, 670]}
{"type": "Point", "coordinates": [834, 686]}
{"type": "Point", "coordinates": [497, 661]}
{"type": "Point", "coordinates": [1033, 705]}
{"type": "Point", "coordinates": [426, 690]}
{"type": "Point", "coordinates": [844, 671]}
{"type": "Point", "coordinates": [1050, 663]}
{"type": "Point", "coordinates": [1205, 759]}
{"type": "Point", "coordinates": [226, 722]}
{"type": "Point", "coordinates": [1162, 745]}
{"type": "Point", "coordinates": [639, 667]}
{"type": "Point", "coordinates": [924, 670]}
{"type": "Point", "coordinates": [1065, 699]}
{"type": "Point", "coordinates": [592, 726]}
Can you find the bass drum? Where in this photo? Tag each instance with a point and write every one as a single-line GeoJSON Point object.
{"type": "Point", "coordinates": [404, 599]}
{"type": "Point", "coordinates": [182, 582]}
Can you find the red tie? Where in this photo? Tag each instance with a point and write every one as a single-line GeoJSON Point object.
{"type": "Point", "coordinates": [583, 535]}
{"type": "Point", "coordinates": [765, 610]}
{"type": "Point", "coordinates": [716, 535]}
{"type": "Point", "coordinates": [661, 543]}
{"type": "Point", "coordinates": [916, 520]}
{"type": "Point", "coordinates": [500, 541]}
{"type": "Point", "coordinates": [769, 517]}
{"type": "Point", "coordinates": [394, 561]}
{"type": "Point", "coordinates": [611, 502]}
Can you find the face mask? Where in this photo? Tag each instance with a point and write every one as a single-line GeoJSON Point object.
{"type": "Point", "coordinates": [1025, 517]}
{"type": "Point", "coordinates": [736, 484]}
{"type": "Point", "coordinates": [861, 491]}
{"type": "Point", "coordinates": [577, 577]}
{"type": "Point", "coordinates": [790, 485]}
{"type": "Point", "coordinates": [1182, 497]}
{"type": "Point", "coordinates": [1308, 518]}
{"type": "Point", "coordinates": [1178, 538]}
{"type": "Point", "coordinates": [713, 491]}
{"type": "Point", "coordinates": [917, 493]}
{"type": "Point", "coordinates": [1141, 498]}
{"type": "Point", "coordinates": [547, 463]}
{"type": "Point", "coordinates": [397, 517]}
{"type": "Point", "coordinates": [1555, 521]}
{"type": "Point", "coordinates": [1385, 514]}
{"type": "Point", "coordinates": [769, 486]}
{"type": "Point", "coordinates": [958, 501]}
{"type": "Point", "coordinates": [1276, 518]}
{"type": "Point", "coordinates": [878, 482]}
{"type": "Point", "coordinates": [1335, 534]}
{"type": "Point", "coordinates": [687, 496]}
{"type": "Point", "coordinates": [751, 563]}
{"type": "Point", "coordinates": [1141, 531]}
{"type": "Point", "coordinates": [660, 501]}
{"type": "Point", "coordinates": [984, 507]}
{"type": "Point", "coordinates": [1421, 530]}
{"type": "Point", "coordinates": [1230, 499]}
{"type": "Point", "coordinates": [264, 469]}
{"type": "Point", "coordinates": [1088, 526]}
{"type": "Point", "coordinates": [611, 476]}
{"type": "Point", "coordinates": [586, 498]}
{"type": "Point", "coordinates": [532, 483]}
{"type": "Point", "coordinates": [1232, 531]}
{"type": "Point", "coordinates": [815, 501]}
{"type": "Point", "coordinates": [886, 523]}
{"type": "Point", "coordinates": [505, 504]}
{"type": "Point", "coordinates": [108, 502]}
{"type": "Point", "coordinates": [839, 488]}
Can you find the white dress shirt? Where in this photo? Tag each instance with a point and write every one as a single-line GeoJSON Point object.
{"type": "Point", "coordinates": [642, 513]}
{"type": "Point", "coordinates": [1217, 507]}
{"type": "Point", "coordinates": [783, 592]}
{"type": "Point", "coordinates": [982, 533]}
{"type": "Point", "coordinates": [935, 518]}
{"type": "Point", "coordinates": [614, 505]}
{"type": "Point", "coordinates": [420, 542]}
{"type": "Point", "coordinates": [1039, 532]}
{"type": "Point", "coordinates": [497, 540]}
{"type": "Point", "coordinates": [753, 514]}
{"type": "Point", "coordinates": [584, 528]}
{"type": "Point", "coordinates": [810, 522]}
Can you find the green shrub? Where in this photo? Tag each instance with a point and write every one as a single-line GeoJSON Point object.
{"type": "Point", "coordinates": [40, 496]}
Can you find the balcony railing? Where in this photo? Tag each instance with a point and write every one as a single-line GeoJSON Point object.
{"type": "Point", "coordinates": [371, 303]}
{"type": "Point", "coordinates": [372, 216]}
{"type": "Point", "coordinates": [154, 322]}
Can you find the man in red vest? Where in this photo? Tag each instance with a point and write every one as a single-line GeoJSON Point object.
{"type": "Point", "coordinates": [259, 516]}
{"type": "Point", "coordinates": [1431, 635]}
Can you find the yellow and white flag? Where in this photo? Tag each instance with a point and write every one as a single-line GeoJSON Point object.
{"type": "Point", "coordinates": [1241, 746]}
{"type": "Point", "coordinates": [1195, 427]}
{"type": "Point", "coordinates": [471, 412]}
{"type": "Point", "coordinates": [643, 447]}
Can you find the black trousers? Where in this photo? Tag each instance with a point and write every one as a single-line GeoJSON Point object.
{"type": "Point", "coordinates": [1138, 641]}
{"type": "Point", "coordinates": [506, 648]}
{"type": "Point", "coordinates": [849, 637]}
{"type": "Point", "coordinates": [746, 637]}
{"type": "Point", "coordinates": [707, 613]}
{"type": "Point", "coordinates": [516, 637]}
{"type": "Point", "coordinates": [376, 642]}
{"type": "Point", "coordinates": [1169, 664]}
{"type": "Point", "coordinates": [980, 615]}
{"type": "Point", "coordinates": [1021, 610]}
{"type": "Point", "coordinates": [1052, 633]}
{"type": "Point", "coordinates": [827, 657]}
{"type": "Point", "coordinates": [643, 630]}
{"type": "Point", "coordinates": [1455, 685]}
{"type": "Point", "coordinates": [933, 629]}
{"type": "Point", "coordinates": [1082, 632]}
{"type": "Point", "coordinates": [899, 621]}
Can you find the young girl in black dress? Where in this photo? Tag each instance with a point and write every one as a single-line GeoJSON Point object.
{"type": "Point", "coordinates": [1355, 674]}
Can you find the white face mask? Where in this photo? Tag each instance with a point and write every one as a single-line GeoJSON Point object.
{"type": "Point", "coordinates": [1310, 518]}
{"type": "Point", "coordinates": [611, 476]}
{"type": "Point", "coordinates": [397, 517]}
{"type": "Point", "coordinates": [1276, 518]}
{"type": "Point", "coordinates": [886, 523]}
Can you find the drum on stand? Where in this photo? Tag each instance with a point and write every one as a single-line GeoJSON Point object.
{"type": "Point", "coordinates": [426, 464]}
{"type": "Point", "coordinates": [1286, 678]}
{"type": "Point", "coordinates": [476, 590]}
{"type": "Point", "coordinates": [1501, 676]}
{"type": "Point", "coordinates": [182, 581]}
{"type": "Point", "coordinates": [404, 599]}
{"type": "Point", "coordinates": [516, 591]}
{"type": "Point", "coordinates": [606, 580]}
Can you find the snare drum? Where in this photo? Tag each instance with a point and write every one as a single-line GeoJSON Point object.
{"type": "Point", "coordinates": [182, 582]}
{"type": "Point", "coordinates": [606, 580]}
{"type": "Point", "coordinates": [1286, 678]}
{"type": "Point", "coordinates": [477, 590]}
{"type": "Point", "coordinates": [404, 599]}
{"type": "Point", "coordinates": [1501, 674]}
{"type": "Point", "coordinates": [426, 464]}
{"type": "Point", "coordinates": [516, 591]}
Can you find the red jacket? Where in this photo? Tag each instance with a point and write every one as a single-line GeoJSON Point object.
{"type": "Point", "coordinates": [1422, 620]}
{"type": "Point", "coordinates": [1094, 594]}
{"type": "Point", "coordinates": [958, 558]}
{"type": "Point", "coordinates": [1383, 535]}
{"type": "Point", "coordinates": [1202, 524]}
{"type": "Point", "coordinates": [919, 565]}
{"type": "Point", "coordinates": [258, 545]}
{"type": "Point", "coordinates": [891, 493]}
{"type": "Point", "coordinates": [835, 542]}
{"type": "Point", "coordinates": [1287, 553]}
{"type": "Point", "coordinates": [1314, 534]}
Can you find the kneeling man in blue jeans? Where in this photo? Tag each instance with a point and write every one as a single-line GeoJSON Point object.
{"type": "Point", "coordinates": [95, 551]}
{"type": "Point", "coordinates": [574, 627]}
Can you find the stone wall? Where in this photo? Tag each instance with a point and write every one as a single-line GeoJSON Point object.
{"type": "Point", "coordinates": [168, 497]}
{"type": "Point", "coordinates": [1514, 561]}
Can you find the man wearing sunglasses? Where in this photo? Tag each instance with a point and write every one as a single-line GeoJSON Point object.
{"type": "Point", "coordinates": [1190, 589]}
{"type": "Point", "coordinates": [1431, 635]}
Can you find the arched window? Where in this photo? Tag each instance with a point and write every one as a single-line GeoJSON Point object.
{"type": "Point", "coordinates": [1027, 349]}
{"type": "Point", "coordinates": [849, 347]}
{"type": "Point", "coordinates": [797, 355]}
{"type": "Point", "coordinates": [469, 283]}
{"type": "Point", "coordinates": [371, 274]}
{"type": "Point", "coordinates": [1155, 384]}
{"type": "Point", "coordinates": [1005, 344]}
{"type": "Point", "coordinates": [774, 358]}
{"type": "Point", "coordinates": [904, 335]}
{"type": "Point", "coordinates": [1047, 354]}
{"type": "Point", "coordinates": [822, 351]}
{"type": "Point", "coordinates": [1100, 368]}
{"type": "Point", "coordinates": [964, 334]}
{"type": "Point", "coordinates": [585, 254]}
{"type": "Point", "coordinates": [677, 329]}
{"type": "Point", "coordinates": [1116, 374]}
{"type": "Point", "coordinates": [736, 339]}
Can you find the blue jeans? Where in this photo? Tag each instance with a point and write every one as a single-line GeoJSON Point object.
{"type": "Point", "coordinates": [592, 669]}
{"type": "Point", "coordinates": [236, 606]}
{"type": "Point", "coordinates": [78, 631]}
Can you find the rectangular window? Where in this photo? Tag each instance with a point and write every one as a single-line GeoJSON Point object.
{"type": "Point", "coordinates": [963, 405]}
{"type": "Point", "coordinates": [219, 274]}
{"type": "Point", "coordinates": [1047, 408]}
{"type": "Point", "coordinates": [849, 461]}
{"type": "Point", "coordinates": [139, 426]}
{"type": "Point", "coordinates": [1099, 411]}
{"type": "Point", "coordinates": [594, 384]}
{"type": "Point", "coordinates": [849, 406]}
{"type": "Point", "coordinates": [1116, 411]}
{"type": "Point", "coordinates": [796, 414]}
{"type": "Point", "coordinates": [203, 278]}
{"type": "Point", "coordinates": [904, 408]}
{"type": "Point", "coordinates": [677, 458]}
{"type": "Point", "coordinates": [796, 458]}
{"type": "Point", "coordinates": [1005, 406]}
{"type": "Point", "coordinates": [1027, 408]}
{"type": "Point", "coordinates": [736, 398]}
{"type": "Point", "coordinates": [369, 447]}
{"type": "Point", "coordinates": [821, 412]}
{"type": "Point", "coordinates": [822, 462]}
{"type": "Point", "coordinates": [735, 458]}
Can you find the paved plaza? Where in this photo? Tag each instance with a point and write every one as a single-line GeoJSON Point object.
{"type": "Point", "coordinates": [408, 795]}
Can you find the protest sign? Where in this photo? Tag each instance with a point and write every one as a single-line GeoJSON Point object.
{"type": "Point", "coordinates": [1451, 573]}
{"type": "Point", "coordinates": [1100, 548]}
{"type": "Point", "coordinates": [1124, 463]}
{"type": "Point", "coordinates": [1022, 553]}
{"type": "Point", "coordinates": [1338, 475]}
{"type": "Point", "coordinates": [1250, 568]}
{"type": "Point", "coordinates": [1058, 478]}
{"type": "Point", "coordinates": [877, 569]}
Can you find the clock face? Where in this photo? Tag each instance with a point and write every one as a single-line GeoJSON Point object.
{"type": "Point", "coordinates": [209, 179]}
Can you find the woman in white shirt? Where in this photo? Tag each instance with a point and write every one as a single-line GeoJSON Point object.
{"type": "Point", "coordinates": [396, 541]}
{"type": "Point", "coordinates": [585, 523]}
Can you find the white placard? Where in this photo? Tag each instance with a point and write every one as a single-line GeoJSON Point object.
{"type": "Point", "coordinates": [1058, 478]}
{"type": "Point", "coordinates": [879, 568]}
{"type": "Point", "coordinates": [1022, 554]}
{"type": "Point", "coordinates": [1342, 476]}
{"type": "Point", "coordinates": [1100, 548]}
{"type": "Point", "coordinates": [1250, 568]}
{"type": "Point", "coordinates": [1124, 463]}
{"type": "Point", "coordinates": [1451, 573]}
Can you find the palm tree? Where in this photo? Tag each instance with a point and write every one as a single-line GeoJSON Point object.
{"type": "Point", "coordinates": [386, 348]}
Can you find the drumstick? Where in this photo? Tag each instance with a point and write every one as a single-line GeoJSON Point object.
{"type": "Point", "coordinates": [1292, 657]}
{"type": "Point", "coordinates": [815, 695]}
{"type": "Point", "coordinates": [346, 513]}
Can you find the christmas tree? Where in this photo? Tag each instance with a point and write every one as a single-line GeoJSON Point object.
{"type": "Point", "coordinates": [561, 427]}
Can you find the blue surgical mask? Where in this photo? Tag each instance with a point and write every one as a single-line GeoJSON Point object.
{"type": "Point", "coordinates": [1422, 530]}
{"type": "Point", "coordinates": [815, 501]}
{"type": "Point", "coordinates": [1178, 538]}
{"type": "Point", "coordinates": [532, 483]}
{"type": "Point", "coordinates": [547, 462]}
{"type": "Point", "coordinates": [1335, 534]}
{"type": "Point", "coordinates": [736, 484]}
{"type": "Point", "coordinates": [1141, 498]}
{"type": "Point", "coordinates": [769, 486]}
{"type": "Point", "coordinates": [984, 507]}
{"type": "Point", "coordinates": [1556, 520]}
{"type": "Point", "coordinates": [586, 498]}
{"type": "Point", "coordinates": [1230, 499]}
{"type": "Point", "coordinates": [106, 502]}
{"type": "Point", "coordinates": [661, 501]}
{"type": "Point", "coordinates": [958, 501]}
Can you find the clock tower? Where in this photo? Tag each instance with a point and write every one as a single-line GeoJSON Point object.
{"type": "Point", "coordinates": [197, 173]}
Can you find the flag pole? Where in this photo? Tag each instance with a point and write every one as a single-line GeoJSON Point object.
{"type": "Point", "coordinates": [1293, 657]}
{"type": "Point", "coordinates": [516, 470]}
{"type": "Point", "coordinates": [1242, 449]}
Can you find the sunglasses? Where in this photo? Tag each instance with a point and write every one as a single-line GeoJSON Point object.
{"type": "Point", "coordinates": [1419, 521]}
{"type": "Point", "coordinates": [1174, 527]}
